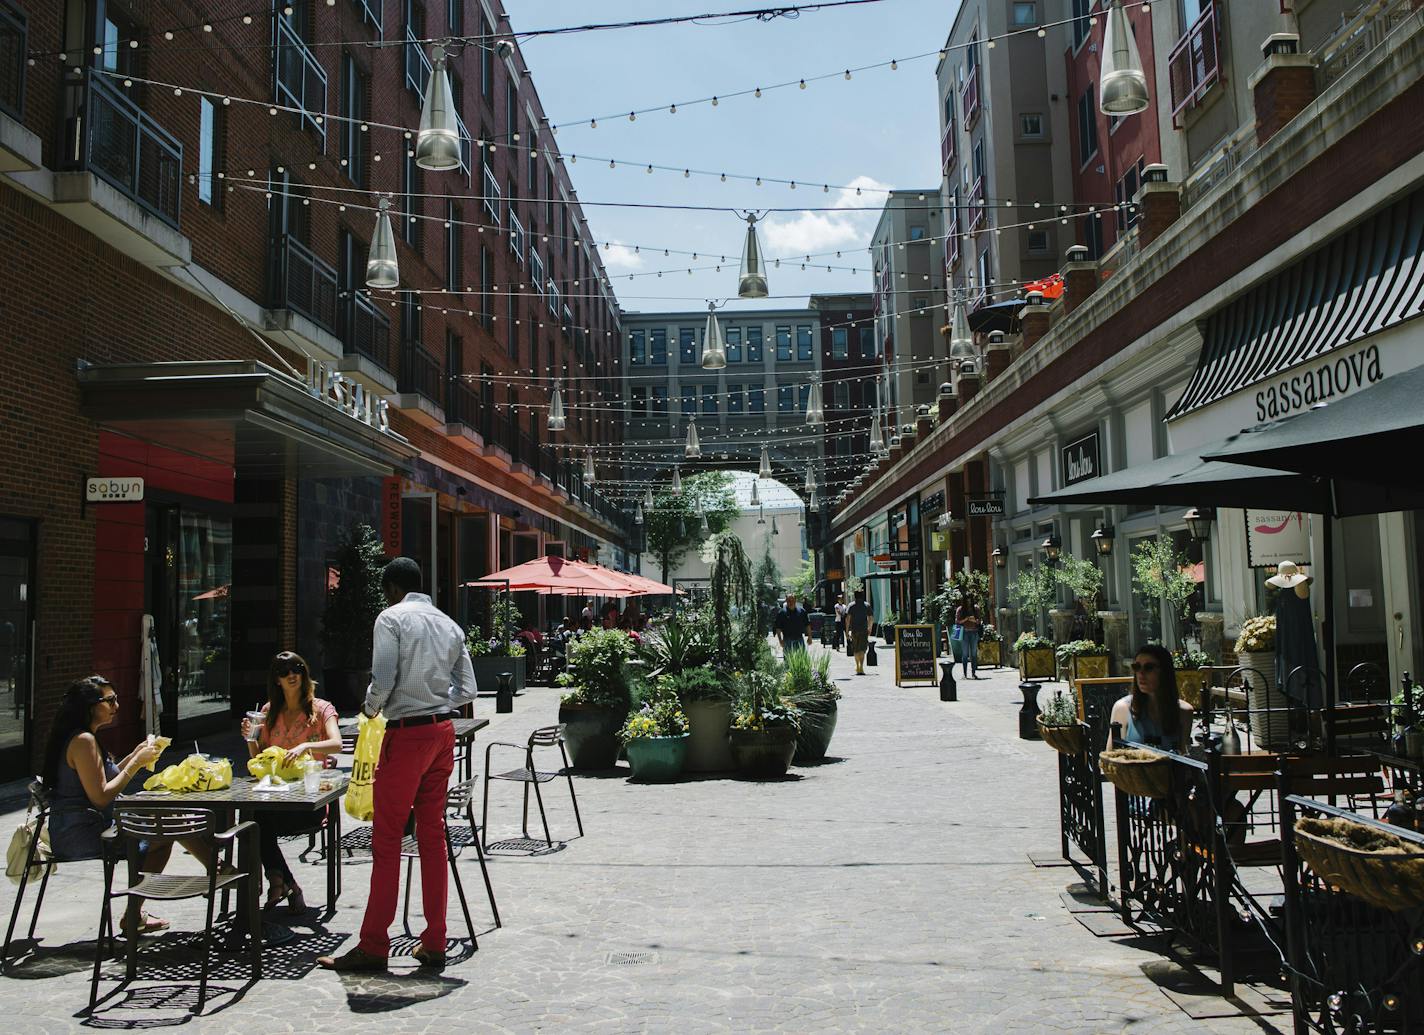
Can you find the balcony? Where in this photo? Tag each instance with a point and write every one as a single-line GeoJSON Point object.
{"type": "Point", "coordinates": [418, 386]}
{"type": "Point", "coordinates": [978, 214]}
{"type": "Point", "coordinates": [951, 241]}
{"type": "Point", "coordinates": [20, 150]}
{"type": "Point", "coordinates": [366, 336]}
{"type": "Point", "coordinates": [1193, 66]}
{"type": "Point", "coordinates": [299, 81]}
{"type": "Point", "coordinates": [969, 98]}
{"type": "Point", "coordinates": [462, 415]}
{"type": "Point", "coordinates": [304, 310]}
{"type": "Point", "coordinates": [417, 65]}
{"type": "Point", "coordinates": [370, 13]}
{"type": "Point", "coordinates": [1357, 38]}
{"type": "Point", "coordinates": [947, 150]}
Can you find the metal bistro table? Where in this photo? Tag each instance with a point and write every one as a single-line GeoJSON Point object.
{"type": "Point", "coordinates": [244, 799]}
{"type": "Point", "coordinates": [465, 730]}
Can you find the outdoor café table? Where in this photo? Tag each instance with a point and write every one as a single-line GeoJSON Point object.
{"type": "Point", "coordinates": [244, 799]}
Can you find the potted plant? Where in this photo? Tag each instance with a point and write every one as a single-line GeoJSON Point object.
{"type": "Point", "coordinates": [1035, 656]}
{"type": "Point", "coordinates": [1256, 651]}
{"type": "Point", "coordinates": [1058, 724]}
{"type": "Point", "coordinates": [1033, 590]}
{"type": "Point", "coordinates": [1082, 659]}
{"type": "Point", "coordinates": [498, 652]}
{"type": "Point", "coordinates": [1191, 679]}
{"type": "Point", "coordinates": [764, 728]}
{"type": "Point", "coordinates": [596, 703]}
{"type": "Point", "coordinates": [349, 616]}
{"type": "Point", "coordinates": [1161, 574]}
{"type": "Point", "coordinates": [990, 647]}
{"type": "Point", "coordinates": [807, 685]}
{"type": "Point", "coordinates": [655, 736]}
{"type": "Point", "coordinates": [887, 628]}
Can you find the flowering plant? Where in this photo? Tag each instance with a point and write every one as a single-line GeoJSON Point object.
{"type": "Point", "coordinates": [1189, 659]}
{"type": "Point", "coordinates": [989, 634]}
{"type": "Point", "coordinates": [1079, 649]}
{"type": "Point", "coordinates": [1257, 634]}
{"type": "Point", "coordinates": [659, 718]}
{"type": "Point", "coordinates": [760, 706]}
{"type": "Point", "coordinates": [1031, 641]}
{"type": "Point", "coordinates": [1061, 710]}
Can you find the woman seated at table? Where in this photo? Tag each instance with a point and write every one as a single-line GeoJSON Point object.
{"type": "Point", "coordinates": [84, 780]}
{"type": "Point", "coordinates": [296, 719]}
{"type": "Point", "coordinates": [1153, 713]}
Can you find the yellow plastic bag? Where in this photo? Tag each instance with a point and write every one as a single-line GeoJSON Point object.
{"type": "Point", "coordinates": [194, 773]}
{"type": "Point", "coordinates": [269, 763]}
{"type": "Point", "coordinates": [360, 792]}
{"type": "Point", "coordinates": [162, 744]}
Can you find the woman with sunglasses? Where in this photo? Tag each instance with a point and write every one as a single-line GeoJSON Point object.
{"type": "Point", "coordinates": [296, 719]}
{"type": "Point", "coordinates": [1153, 713]}
{"type": "Point", "coordinates": [84, 780]}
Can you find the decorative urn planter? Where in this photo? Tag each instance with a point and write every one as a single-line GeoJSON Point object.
{"type": "Point", "coordinates": [591, 735]}
{"type": "Point", "coordinates": [657, 759]}
{"type": "Point", "coordinates": [763, 754]}
{"type": "Point", "coordinates": [1088, 666]}
{"type": "Point", "coordinates": [1268, 728]}
{"type": "Point", "coordinates": [1191, 682]}
{"type": "Point", "coordinates": [707, 725]}
{"type": "Point", "coordinates": [814, 739]}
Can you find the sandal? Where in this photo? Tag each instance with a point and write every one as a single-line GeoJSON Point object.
{"type": "Point", "coordinates": [277, 890]}
{"type": "Point", "coordinates": [146, 925]}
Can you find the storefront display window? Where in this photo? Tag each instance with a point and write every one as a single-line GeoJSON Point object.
{"type": "Point", "coordinates": [204, 574]}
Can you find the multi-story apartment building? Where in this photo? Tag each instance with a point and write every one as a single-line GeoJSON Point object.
{"type": "Point", "coordinates": [187, 208]}
{"type": "Point", "coordinates": [909, 302]}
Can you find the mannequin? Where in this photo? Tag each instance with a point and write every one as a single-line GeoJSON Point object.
{"type": "Point", "coordinates": [1295, 634]}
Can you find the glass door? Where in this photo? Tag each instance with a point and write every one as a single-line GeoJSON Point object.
{"type": "Point", "coordinates": [17, 545]}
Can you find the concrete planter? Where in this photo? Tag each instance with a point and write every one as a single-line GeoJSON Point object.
{"type": "Point", "coordinates": [763, 754]}
{"type": "Point", "coordinates": [1088, 666]}
{"type": "Point", "coordinates": [488, 667]}
{"type": "Point", "coordinates": [591, 735]}
{"type": "Point", "coordinates": [707, 724]}
{"type": "Point", "coordinates": [657, 759]}
{"type": "Point", "coordinates": [1190, 684]}
{"type": "Point", "coordinates": [814, 740]}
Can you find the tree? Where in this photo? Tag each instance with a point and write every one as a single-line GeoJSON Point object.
{"type": "Point", "coordinates": [803, 583]}
{"type": "Point", "coordinates": [768, 582]}
{"type": "Point", "coordinates": [737, 622]}
{"type": "Point", "coordinates": [672, 524]}
{"type": "Point", "coordinates": [1033, 590]}
{"type": "Point", "coordinates": [354, 602]}
{"type": "Point", "coordinates": [1084, 581]}
{"type": "Point", "coordinates": [1163, 576]}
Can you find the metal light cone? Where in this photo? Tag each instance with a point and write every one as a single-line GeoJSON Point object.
{"type": "Point", "coordinates": [437, 144]}
{"type": "Point", "coordinates": [810, 480]}
{"type": "Point", "coordinates": [961, 341]}
{"type": "Point", "coordinates": [755, 500]}
{"type": "Point", "coordinates": [752, 282]}
{"type": "Point", "coordinates": [877, 440]}
{"type": "Point", "coordinates": [694, 448]}
{"type": "Point", "coordinates": [815, 413]}
{"type": "Point", "coordinates": [638, 514]}
{"type": "Point", "coordinates": [589, 474]}
{"type": "Point", "coordinates": [648, 498]}
{"type": "Point", "coordinates": [1122, 88]}
{"type": "Point", "coordinates": [382, 268]}
{"type": "Point", "coordinates": [761, 517]}
{"type": "Point", "coordinates": [714, 352]}
{"type": "Point", "coordinates": [811, 503]}
{"type": "Point", "coordinates": [676, 488]}
{"type": "Point", "coordinates": [557, 420]}
{"type": "Point", "coordinates": [765, 469]}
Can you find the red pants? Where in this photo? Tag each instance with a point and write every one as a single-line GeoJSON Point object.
{"type": "Point", "coordinates": [414, 772]}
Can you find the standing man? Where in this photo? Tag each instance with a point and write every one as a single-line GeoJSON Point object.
{"type": "Point", "coordinates": [420, 675]}
{"type": "Point", "coordinates": [791, 625]}
{"type": "Point", "coordinates": [858, 625]}
{"type": "Point", "coordinates": [839, 640]}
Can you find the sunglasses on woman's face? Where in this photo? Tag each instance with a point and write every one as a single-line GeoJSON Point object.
{"type": "Point", "coordinates": [112, 699]}
{"type": "Point", "coordinates": [291, 670]}
{"type": "Point", "coordinates": [1144, 666]}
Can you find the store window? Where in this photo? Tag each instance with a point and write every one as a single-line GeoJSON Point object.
{"type": "Point", "coordinates": [732, 341]}
{"type": "Point", "coordinates": [840, 343]}
{"type": "Point", "coordinates": [754, 340]}
{"type": "Point", "coordinates": [783, 344]}
{"type": "Point", "coordinates": [198, 561]}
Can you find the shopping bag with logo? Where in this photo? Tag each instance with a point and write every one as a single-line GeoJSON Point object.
{"type": "Point", "coordinates": [360, 792]}
{"type": "Point", "coordinates": [956, 642]}
{"type": "Point", "coordinates": [270, 763]}
{"type": "Point", "coordinates": [194, 773]}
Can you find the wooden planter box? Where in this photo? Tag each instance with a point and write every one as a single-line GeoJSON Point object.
{"type": "Point", "coordinates": [1037, 663]}
{"type": "Point", "coordinates": [1088, 666]}
{"type": "Point", "coordinates": [1191, 682]}
{"type": "Point", "coordinates": [990, 654]}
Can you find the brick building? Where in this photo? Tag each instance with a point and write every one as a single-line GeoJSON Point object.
{"type": "Point", "coordinates": [189, 308]}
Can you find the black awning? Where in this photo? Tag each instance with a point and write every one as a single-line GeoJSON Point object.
{"type": "Point", "coordinates": [1363, 280]}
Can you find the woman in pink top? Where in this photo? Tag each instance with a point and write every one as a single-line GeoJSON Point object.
{"type": "Point", "coordinates": [296, 719]}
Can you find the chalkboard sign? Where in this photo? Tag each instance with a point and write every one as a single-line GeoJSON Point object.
{"type": "Point", "coordinates": [914, 654]}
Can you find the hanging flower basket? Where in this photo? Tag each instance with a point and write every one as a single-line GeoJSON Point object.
{"type": "Point", "coordinates": [1066, 740]}
{"type": "Point", "coordinates": [1137, 772]}
{"type": "Point", "coordinates": [1384, 870]}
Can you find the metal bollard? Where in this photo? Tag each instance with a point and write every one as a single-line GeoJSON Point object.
{"type": "Point", "coordinates": [870, 653]}
{"type": "Point", "coordinates": [504, 696]}
{"type": "Point", "coordinates": [1028, 714]}
{"type": "Point", "coordinates": [948, 688]}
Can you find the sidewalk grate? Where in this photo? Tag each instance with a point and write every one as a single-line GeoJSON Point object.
{"type": "Point", "coordinates": [630, 959]}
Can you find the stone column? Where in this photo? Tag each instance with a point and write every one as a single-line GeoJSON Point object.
{"type": "Point", "coordinates": [1061, 622]}
{"type": "Point", "coordinates": [1008, 627]}
{"type": "Point", "coordinates": [1213, 625]}
{"type": "Point", "coordinates": [1080, 278]}
{"type": "Point", "coordinates": [1115, 636]}
{"type": "Point", "coordinates": [1033, 322]}
{"type": "Point", "coordinates": [1283, 86]}
{"type": "Point", "coordinates": [1161, 204]}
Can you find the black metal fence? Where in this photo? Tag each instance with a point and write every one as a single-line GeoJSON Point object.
{"type": "Point", "coordinates": [14, 43]}
{"type": "Point", "coordinates": [368, 330]}
{"type": "Point", "coordinates": [304, 283]}
{"type": "Point", "coordinates": [116, 140]}
{"type": "Point", "coordinates": [419, 372]}
{"type": "Point", "coordinates": [1081, 821]}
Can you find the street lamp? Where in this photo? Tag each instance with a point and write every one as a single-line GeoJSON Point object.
{"type": "Point", "coordinates": [714, 353]}
{"type": "Point", "coordinates": [1001, 559]}
{"type": "Point", "coordinates": [1199, 523]}
{"type": "Point", "coordinates": [1102, 538]}
{"type": "Point", "coordinates": [752, 281]}
{"type": "Point", "coordinates": [1052, 547]}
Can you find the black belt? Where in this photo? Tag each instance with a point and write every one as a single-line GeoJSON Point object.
{"type": "Point", "coordinates": [418, 720]}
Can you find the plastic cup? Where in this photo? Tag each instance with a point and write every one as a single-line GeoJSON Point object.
{"type": "Point", "coordinates": [311, 776]}
{"type": "Point", "coordinates": [254, 729]}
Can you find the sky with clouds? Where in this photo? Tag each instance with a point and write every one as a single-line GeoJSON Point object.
{"type": "Point", "coordinates": [877, 130]}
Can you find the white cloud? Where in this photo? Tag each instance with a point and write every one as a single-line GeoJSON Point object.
{"type": "Point", "coordinates": [785, 235]}
{"type": "Point", "coordinates": [618, 256]}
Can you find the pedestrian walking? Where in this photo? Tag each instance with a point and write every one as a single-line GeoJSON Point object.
{"type": "Point", "coordinates": [840, 629]}
{"type": "Point", "coordinates": [858, 627]}
{"type": "Point", "coordinates": [420, 675]}
{"type": "Point", "coordinates": [967, 627]}
{"type": "Point", "coordinates": [791, 625]}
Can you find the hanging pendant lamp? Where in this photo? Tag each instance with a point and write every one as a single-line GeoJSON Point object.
{"type": "Point", "coordinates": [877, 441]}
{"type": "Point", "coordinates": [1122, 86]}
{"type": "Point", "coordinates": [694, 448]}
{"type": "Point", "coordinates": [811, 503]}
{"type": "Point", "coordinates": [556, 420]}
{"type": "Point", "coordinates": [437, 145]}
{"type": "Point", "coordinates": [765, 470]}
{"type": "Point", "coordinates": [638, 514]}
{"type": "Point", "coordinates": [648, 499]}
{"type": "Point", "coordinates": [810, 480]}
{"type": "Point", "coordinates": [752, 282]}
{"type": "Point", "coordinates": [800, 519]}
{"type": "Point", "coordinates": [755, 500]}
{"type": "Point", "coordinates": [382, 268]}
{"type": "Point", "coordinates": [761, 516]}
{"type": "Point", "coordinates": [676, 488]}
{"type": "Point", "coordinates": [589, 474]}
{"type": "Point", "coordinates": [774, 529]}
{"type": "Point", "coordinates": [714, 352]}
{"type": "Point", "coordinates": [815, 413]}
{"type": "Point", "coordinates": [961, 341]}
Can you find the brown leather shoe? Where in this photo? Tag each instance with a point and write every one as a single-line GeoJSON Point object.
{"type": "Point", "coordinates": [357, 960]}
{"type": "Point", "coordinates": [429, 960]}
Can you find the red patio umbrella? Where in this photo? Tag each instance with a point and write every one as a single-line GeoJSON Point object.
{"type": "Point", "coordinates": [556, 575]}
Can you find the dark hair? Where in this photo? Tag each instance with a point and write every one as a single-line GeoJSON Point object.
{"type": "Point", "coordinates": [860, 596]}
{"type": "Point", "coordinates": [402, 574]}
{"type": "Point", "coordinates": [1165, 703]}
{"type": "Point", "coordinates": [72, 717]}
{"type": "Point", "coordinates": [277, 697]}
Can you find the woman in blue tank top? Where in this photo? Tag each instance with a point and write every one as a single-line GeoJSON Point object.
{"type": "Point", "coordinates": [1152, 713]}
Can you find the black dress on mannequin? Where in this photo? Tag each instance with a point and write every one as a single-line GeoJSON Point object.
{"type": "Point", "coordinates": [1295, 647]}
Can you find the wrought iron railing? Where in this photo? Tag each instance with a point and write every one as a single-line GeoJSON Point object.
{"type": "Point", "coordinates": [119, 142]}
{"type": "Point", "coordinates": [417, 65]}
{"type": "Point", "coordinates": [462, 403]}
{"type": "Point", "coordinates": [299, 81]}
{"type": "Point", "coordinates": [419, 372]}
{"type": "Point", "coordinates": [370, 13]}
{"type": "Point", "coordinates": [975, 204]}
{"type": "Point", "coordinates": [1080, 811]}
{"type": "Point", "coordinates": [969, 97]}
{"type": "Point", "coordinates": [14, 44]}
{"type": "Point", "coordinates": [304, 283]}
{"type": "Point", "coordinates": [1358, 36]}
{"type": "Point", "coordinates": [368, 330]}
{"type": "Point", "coordinates": [1123, 251]}
{"type": "Point", "coordinates": [947, 149]}
{"type": "Point", "coordinates": [1193, 65]}
{"type": "Point", "coordinates": [1213, 170]}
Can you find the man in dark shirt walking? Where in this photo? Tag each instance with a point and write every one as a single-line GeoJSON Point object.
{"type": "Point", "coordinates": [858, 624]}
{"type": "Point", "coordinates": [791, 624]}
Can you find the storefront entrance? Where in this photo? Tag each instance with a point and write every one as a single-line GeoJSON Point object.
{"type": "Point", "coordinates": [17, 550]}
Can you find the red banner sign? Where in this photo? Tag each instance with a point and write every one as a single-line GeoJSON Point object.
{"type": "Point", "coordinates": [391, 516]}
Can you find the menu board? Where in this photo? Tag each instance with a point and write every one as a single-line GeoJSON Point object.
{"type": "Point", "coordinates": [914, 654]}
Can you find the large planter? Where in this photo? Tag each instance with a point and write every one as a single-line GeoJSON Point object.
{"type": "Point", "coordinates": [1037, 663]}
{"type": "Point", "coordinates": [1088, 666]}
{"type": "Point", "coordinates": [763, 754]}
{"type": "Point", "coordinates": [1190, 684]}
{"type": "Point", "coordinates": [707, 724]}
{"type": "Point", "coordinates": [814, 740]}
{"type": "Point", "coordinates": [657, 759]}
{"type": "Point", "coordinates": [1268, 729]}
{"type": "Point", "coordinates": [488, 667]}
{"type": "Point", "coordinates": [989, 654]}
{"type": "Point", "coordinates": [591, 735]}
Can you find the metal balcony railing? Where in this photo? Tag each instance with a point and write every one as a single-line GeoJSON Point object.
{"type": "Point", "coordinates": [951, 240]}
{"type": "Point", "coordinates": [14, 44]}
{"type": "Point", "coordinates": [368, 331]}
{"type": "Point", "coordinates": [969, 97]}
{"type": "Point", "coordinates": [119, 142]}
{"type": "Point", "coordinates": [947, 149]}
{"type": "Point", "coordinates": [975, 203]}
{"type": "Point", "coordinates": [462, 403]}
{"type": "Point", "coordinates": [299, 81]}
{"type": "Point", "coordinates": [1360, 35]}
{"type": "Point", "coordinates": [370, 13]}
{"type": "Point", "coordinates": [419, 373]}
{"type": "Point", "coordinates": [417, 65]}
{"type": "Point", "coordinates": [304, 283]}
{"type": "Point", "coordinates": [1193, 66]}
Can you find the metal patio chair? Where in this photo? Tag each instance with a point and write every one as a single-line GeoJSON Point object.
{"type": "Point", "coordinates": [530, 776]}
{"type": "Point", "coordinates": [459, 800]}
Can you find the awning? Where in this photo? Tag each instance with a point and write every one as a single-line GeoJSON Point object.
{"type": "Point", "coordinates": [241, 414]}
{"type": "Point", "coordinates": [1374, 435]}
{"type": "Point", "coordinates": [558, 576]}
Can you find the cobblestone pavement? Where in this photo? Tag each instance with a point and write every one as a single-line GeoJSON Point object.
{"type": "Point", "coordinates": [886, 890]}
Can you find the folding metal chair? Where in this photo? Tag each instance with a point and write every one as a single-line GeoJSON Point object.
{"type": "Point", "coordinates": [529, 776]}
{"type": "Point", "coordinates": [458, 800]}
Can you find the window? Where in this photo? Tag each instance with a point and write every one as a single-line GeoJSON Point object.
{"type": "Point", "coordinates": [549, 196]}
{"type": "Point", "coordinates": [657, 346]}
{"type": "Point", "coordinates": [492, 195]}
{"type": "Point", "coordinates": [660, 399]}
{"type": "Point", "coordinates": [840, 395]}
{"type": "Point", "coordinates": [417, 65]}
{"type": "Point", "coordinates": [756, 400]}
{"type": "Point", "coordinates": [1128, 213]}
{"type": "Point", "coordinates": [1025, 14]}
{"type": "Point", "coordinates": [734, 399]}
{"type": "Point", "coordinates": [511, 109]}
{"type": "Point", "coordinates": [455, 16]}
{"type": "Point", "coordinates": [516, 235]}
{"type": "Point", "coordinates": [840, 343]}
{"type": "Point", "coordinates": [1038, 242]}
{"type": "Point", "coordinates": [486, 287]}
{"type": "Point", "coordinates": [753, 344]}
{"type": "Point", "coordinates": [555, 298]}
{"type": "Point", "coordinates": [118, 56]}
{"type": "Point", "coordinates": [803, 397]}
{"type": "Point", "coordinates": [486, 63]}
{"type": "Point", "coordinates": [689, 401]}
{"type": "Point", "coordinates": [536, 271]}
{"type": "Point", "coordinates": [209, 151]}
{"type": "Point", "coordinates": [353, 108]}
{"type": "Point", "coordinates": [784, 398]}
{"type": "Point", "coordinates": [733, 342]}
{"type": "Point", "coordinates": [687, 346]}
{"type": "Point", "coordinates": [1087, 126]}
{"type": "Point", "coordinates": [917, 233]}
{"type": "Point", "coordinates": [709, 399]}
{"type": "Point", "coordinates": [1081, 26]}
{"type": "Point", "coordinates": [512, 330]}
{"type": "Point", "coordinates": [867, 342]}
{"type": "Point", "coordinates": [410, 187]}
{"type": "Point", "coordinates": [1093, 237]}
{"type": "Point", "coordinates": [640, 402]}
{"type": "Point", "coordinates": [986, 269]}
{"type": "Point", "coordinates": [454, 248]}
{"type": "Point", "coordinates": [1031, 125]}
{"type": "Point", "coordinates": [805, 343]}
{"type": "Point", "coordinates": [300, 81]}
{"type": "Point", "coordinates": [783, 344]}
